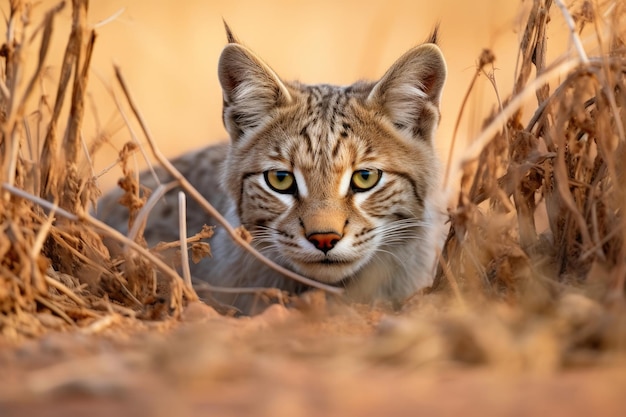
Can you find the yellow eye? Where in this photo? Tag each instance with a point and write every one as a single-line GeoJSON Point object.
{"type": "Point", "coordinates": [281, 181]}
{"type": "Point", "coordinates": [365, 179]}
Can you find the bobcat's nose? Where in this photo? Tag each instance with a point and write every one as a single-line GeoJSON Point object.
{"type": "Point", "coordinates": [324, 241]}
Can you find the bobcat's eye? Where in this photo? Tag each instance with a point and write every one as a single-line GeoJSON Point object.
{"type": "Point", "coordinates": [281, 181]}
{"type": "Point", "coordinates": [365, 179]}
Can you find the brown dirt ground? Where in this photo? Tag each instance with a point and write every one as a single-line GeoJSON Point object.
{"type": "Point", "coordinates": [284, 362]}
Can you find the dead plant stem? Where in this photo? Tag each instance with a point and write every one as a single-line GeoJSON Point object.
{"type": "Point", "coordinates": [54, 308]}
{"type": "Point", "coordinates": [104, 228]}
{"type": "Point", "coordinates": [63, 289]}
{"type": "Point", "coordinates": [446, 177]}
{"type": "Point", "coordinates": [578, 45]}
{"type": "Point", "coordinates": [182, 228]}
{"type": "Point", "coordinates": [513, 106]}
{"type": "Point", "coordinates": [142, 216]}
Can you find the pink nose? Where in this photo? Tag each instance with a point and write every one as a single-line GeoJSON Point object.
{"type": "Point", "coordinates": [324, 241]}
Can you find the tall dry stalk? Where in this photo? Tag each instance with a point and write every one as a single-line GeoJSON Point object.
{"type": "Point", "coordinates": [52, 258]}
{"type": "Point", "coordinates": [565, 160]}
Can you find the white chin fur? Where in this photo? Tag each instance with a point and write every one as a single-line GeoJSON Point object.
{"type": "Point", "coordinates": [329, 273]}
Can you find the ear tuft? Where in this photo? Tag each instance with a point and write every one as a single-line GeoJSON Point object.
{"type": "Point", "coordinates": [434, 35]}
{"type": "Point", "coordinates": [410, 91]}
{"type": "Point", "coordinates": [230, 37]}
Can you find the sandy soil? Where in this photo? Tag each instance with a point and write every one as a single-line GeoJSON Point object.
{"type": "Point", "coordinates": [281, 363]}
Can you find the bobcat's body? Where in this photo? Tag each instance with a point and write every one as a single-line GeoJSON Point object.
{"type": "Point", "coordinates": [335, 183]}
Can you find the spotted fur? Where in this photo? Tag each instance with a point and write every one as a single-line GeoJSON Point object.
{"type": "Point", "coordinates": [378, 243]}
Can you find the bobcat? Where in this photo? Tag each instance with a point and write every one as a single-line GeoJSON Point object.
{"type": "Point", "coordinates": [337, 183]}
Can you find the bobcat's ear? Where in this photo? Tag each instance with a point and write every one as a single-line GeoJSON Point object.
{"type": "Point", "coordinates": [251, 89]}
{"type": "Point", "coordinates": [410, 91]}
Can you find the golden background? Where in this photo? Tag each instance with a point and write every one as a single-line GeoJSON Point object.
{"type": "Point", "coordinates": [168, 52]}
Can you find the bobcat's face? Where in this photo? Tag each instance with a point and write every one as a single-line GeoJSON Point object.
{"type": "Point", "coordinates": [330, 178]}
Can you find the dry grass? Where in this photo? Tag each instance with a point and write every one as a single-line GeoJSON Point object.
{"type": "Point", "coordinates": [536, 244]}
{"type": "Point", "coordinates": [53, 261]}
{"type": "Point", "coordinates": [509, 291]}
{"type": "Point", "coordinates": [562, 165]}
